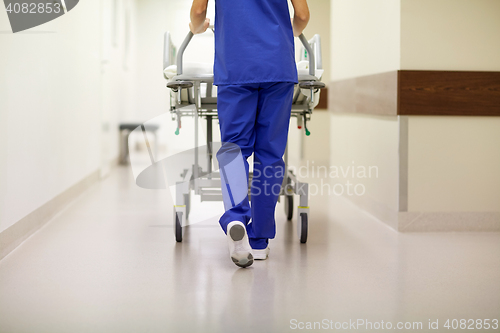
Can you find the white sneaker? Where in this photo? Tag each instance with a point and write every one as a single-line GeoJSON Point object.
{"type": "Point", "coordinates": [239, 247]}
{"type": "Point", "coordinates": [261, 254]}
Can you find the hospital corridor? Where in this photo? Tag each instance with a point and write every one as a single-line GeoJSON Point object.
{"type": "Point", "coordinates": [249, 166]}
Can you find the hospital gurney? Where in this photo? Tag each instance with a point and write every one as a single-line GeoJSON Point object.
{"type": "Point", "coordinates": [189, 100]}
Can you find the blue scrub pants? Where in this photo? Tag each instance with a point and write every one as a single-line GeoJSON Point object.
{"type": "Point", "coordinates": [253, 118]}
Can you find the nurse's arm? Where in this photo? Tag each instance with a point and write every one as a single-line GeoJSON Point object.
{"type": "Point", "coordinates": [199, 21]}
{"type": "Point", "coordinates": [300, 17]}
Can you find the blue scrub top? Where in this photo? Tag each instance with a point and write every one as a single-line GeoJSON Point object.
{"type": "Point", "coordinates": [253, 42]}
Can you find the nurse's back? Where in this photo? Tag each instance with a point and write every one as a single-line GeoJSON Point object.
{"type": "Point", "coordinates": [253, 42]}
{"type": "Point", "coordinates": [253, 39]}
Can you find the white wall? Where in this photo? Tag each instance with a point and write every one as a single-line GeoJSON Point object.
{"type": "Point", "coordinates": [362, 142]}
{"type": "Point", "coordinates": [316, 147]}
{"type": "Point", "coordinates": [454, 164]}
{"type": "Point", "coordinates": [51, 110]}
{"type": "Point", "coordinates": [450, 35]}
{"type": "Point", "coordinates": [365, 37]}
{"type": "Point", "coordinates": [118, 100]}
{"type": "Point", "coordinates": [365, 40]}
{"type": "Point", "coordinates": [320, 24]}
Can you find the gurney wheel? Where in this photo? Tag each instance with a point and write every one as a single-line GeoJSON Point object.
{"type": "Point", "coordinates": [178, 226]}
{"type": "Point", "coordinates": [302, 227]}
{"type": "Point", "coordinates": [289, 207]}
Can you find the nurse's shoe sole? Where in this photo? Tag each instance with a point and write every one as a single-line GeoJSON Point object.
{"type": "Point", "coordinates": [261, 254]}
{"type": "Point", "coordinates": [239, 247]}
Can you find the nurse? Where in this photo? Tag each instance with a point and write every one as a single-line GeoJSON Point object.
{"type": "Point", "coordinates": [255, 72]}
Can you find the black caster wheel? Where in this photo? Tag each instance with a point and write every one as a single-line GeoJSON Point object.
{"type": "Point", "coordinates": [302, 227]}
{"type": "Point", "coordinates": [178, 226]}
{"type": "Point", "coordinates": [289, 207]}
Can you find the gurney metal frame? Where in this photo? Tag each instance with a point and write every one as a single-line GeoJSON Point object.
{"type": "Point", "coordinates": [186, 92]}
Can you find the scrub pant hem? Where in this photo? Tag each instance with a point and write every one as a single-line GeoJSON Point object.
{"type": "Point", "coordinates": [258, 243]}
{"type": "Point", "coordinates": [224, 225]}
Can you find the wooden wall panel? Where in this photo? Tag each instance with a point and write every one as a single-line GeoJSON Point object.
{"type": "Point", "coordinates": [449, 93]}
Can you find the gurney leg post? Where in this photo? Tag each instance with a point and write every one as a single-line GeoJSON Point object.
{"type": "Point", "coordinates": [287, 189]}
{"type": "Point", "coordinates": [209, 146]}
{"type": "Point", "coordinates": [197, 105]}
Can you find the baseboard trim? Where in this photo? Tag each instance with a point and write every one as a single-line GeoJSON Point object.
{"type": "Point", "coordinates": [448, 221]}
{"type": "Point", "coordinates": [17, 233]}
{"type": "Point", "coordinates": [428, 221]}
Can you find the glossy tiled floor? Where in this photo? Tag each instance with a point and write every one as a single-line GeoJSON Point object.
{"type": "Point", "coordinates": [109, 263]}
